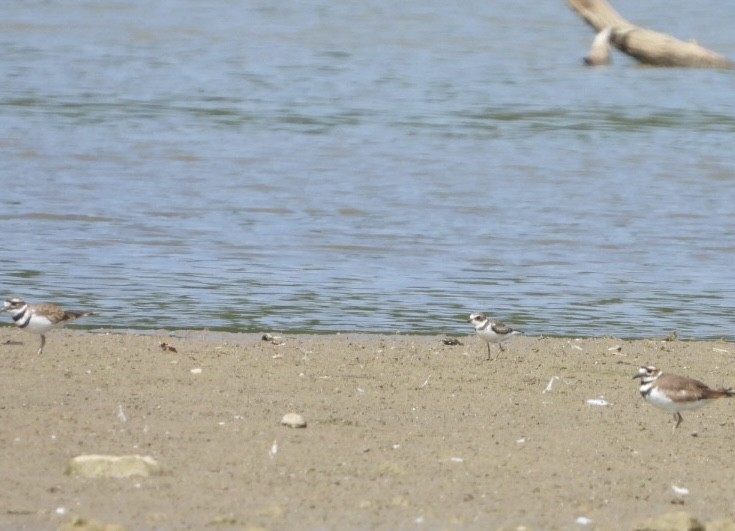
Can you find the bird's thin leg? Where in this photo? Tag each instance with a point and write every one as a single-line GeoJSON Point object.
{"type": "Point", "coordinates": [488, 352]}
{"type": "Point", "coordinates": [43, 342]}
{"type": "Point", "coordinates": [678, 418]}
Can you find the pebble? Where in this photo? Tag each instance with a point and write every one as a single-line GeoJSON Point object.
{"type": "Point", "coordinates": [293, 420]}
{"type": "Point", "coordinates": [112, 466]}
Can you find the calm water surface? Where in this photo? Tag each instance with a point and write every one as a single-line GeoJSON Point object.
{"type": "Point", "coordinates": [364, 166]}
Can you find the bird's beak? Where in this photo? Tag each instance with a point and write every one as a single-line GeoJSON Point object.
{"type": "Point", "coordinates": [639, 375]}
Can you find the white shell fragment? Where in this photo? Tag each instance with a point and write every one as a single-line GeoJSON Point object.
{"type": "Point", "coordinates": [550, 386]}
{"type": "Point", "coordinates": [293, 420]}
{"type": "Point", "coordinates": [597, 402]}
{"type": "Point", "coordinates": [680, 491]}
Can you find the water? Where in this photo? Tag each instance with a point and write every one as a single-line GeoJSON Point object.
{"type": "Point", "coordinates": [364, 166]}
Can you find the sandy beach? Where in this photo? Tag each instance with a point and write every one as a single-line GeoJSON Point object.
{"type": "Point", "coordinates": [403, 432]}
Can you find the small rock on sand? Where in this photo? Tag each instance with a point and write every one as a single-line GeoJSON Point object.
{"type": "Point", "coordinates": [112, 466]}
{"type": "Point", "coordinates": [293, 420]}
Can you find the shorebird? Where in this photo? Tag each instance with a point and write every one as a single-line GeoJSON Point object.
{"type": "Point", "coordinates": [675, 393]}
{"type": "Point", "coordinates": [39, 318]}
{"type": "Point", "coordinates": [491, 331]}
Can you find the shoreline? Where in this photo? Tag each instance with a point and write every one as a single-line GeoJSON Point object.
{"type": "Point", "coordinates": [402, 431]}
{"type": "Point", "coordinates": [468, 333]}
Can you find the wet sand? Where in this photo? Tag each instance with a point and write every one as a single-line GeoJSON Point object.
{"type": "Point", "coordinates": [403, 432]}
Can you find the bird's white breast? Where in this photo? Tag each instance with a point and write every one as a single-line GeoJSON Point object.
{"type": "Point", "coordinates": [38, 324]}
{"type": "Point", "coordinates": [488, 335]}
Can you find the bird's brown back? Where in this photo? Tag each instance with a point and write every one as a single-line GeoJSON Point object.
{"type": "Point", "coordinates": [689, 389]}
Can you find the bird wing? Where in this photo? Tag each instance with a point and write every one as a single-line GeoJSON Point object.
{"type": "Point", "coordinates": [501, 328]}
{"type": "Point", "coordinates": [52, 312]}
{"type": "Point", "coordinates": [692, 390]}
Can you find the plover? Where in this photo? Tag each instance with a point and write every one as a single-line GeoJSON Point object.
{"type": "Point", "coordinates": [491, 331]}
{"type": "Point", "coordinates": [39, 318]}
{"type": "Point", "coordinates": [675, 393]}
